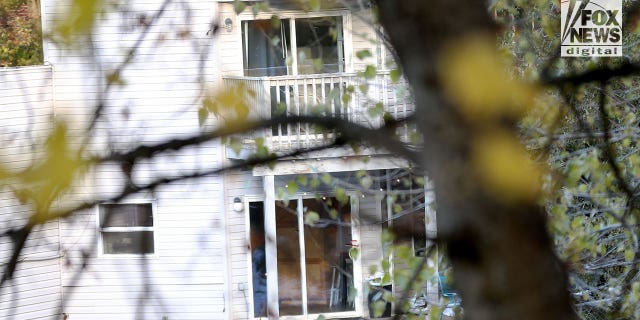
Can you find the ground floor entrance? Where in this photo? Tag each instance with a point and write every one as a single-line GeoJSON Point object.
{"type": "Point", "coordinates": [313, 237]}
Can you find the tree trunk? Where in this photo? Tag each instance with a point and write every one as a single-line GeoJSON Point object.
{"type": "Point", "coordinates": [502, 258]}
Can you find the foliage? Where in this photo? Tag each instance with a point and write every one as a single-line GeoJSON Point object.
{"type": "Point", "coordinates": [588, 131]}
{"type": "Point", "coordinates": [20, 33]}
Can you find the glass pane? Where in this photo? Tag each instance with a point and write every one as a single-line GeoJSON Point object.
{"type": "Point", "coordinates": [265, 47]}
{"type": "Point", "coordinates": [320, 45]}
{"type": "Point", "coordinates": [258, 259]}
{"type": "Point", "coordinates": [126, 215]}
{"type": "Point", "coordinates": [289, 274]}
{"type": "Point", "coordinates": [137, 242]}
{"type": "Point", "coordinates": [329, 267]}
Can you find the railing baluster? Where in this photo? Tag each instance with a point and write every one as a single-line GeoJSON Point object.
{"type": "Point", "coordinates": [287, 97]}
{"type": "Point", "coordinates": [264, 106]}
{"type": "Point", "coordinates": [296, 102]}
{"type": "Point", "coordinates": [305, 89]}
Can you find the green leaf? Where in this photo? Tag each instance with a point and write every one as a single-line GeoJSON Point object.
{"type": "Point", "coordinates": [395, 75]}
{"type": "Point", "coordinates": [363, 54]}
{"type": "Point", "coordinates": [239, 6]}
{"type": "Point", "coordinates": [235, 144]}
{"type": "Point", "coordinates": [387, 236]}
{"type": "Point", "coordinates": [311, 217]}
{"type": "Point", "coordinates": [629, 255]}
{"type": "Point", "coordinates": [315, 182]}
{"type": "Point", "coordinates": [317, 65]}
{"type": "Point", "coordinates": [378, 308]}
{"type": "Point", "coordinates": [275, 22]}
{"type": "Point", "coordinates": [354, 253]}
{"type": "Point", "coordinates": [346, 98]}
{"type": "Point", "coordinates": [275, 41]}
{"type": "Point", "coordinates": [364, 88]}
{"type": "Point", "coordinates": [281, 108]}
{"type": "Point", "coordinates": [303, 180]}
{"type": "Point", "coordinates": [314, 5]}
{"type": "Point", "coordinates": [341, 195]}
{"type": "Point", "coordinates": [326, 178]}
{"type": "Point", "coordinates": [377, 110]}
{"type": "Point", "coordinates": [203, 114]}
{"type": "Point", "coordinates": [366, 182]}
{"type": "Point", "coordinates": [370, 72]}
{"type": "Point", "coordinates": [385, 265]}
{"type": "Point", "coordinates": [292, 187]}
{"type": "Point", "coordinates": [333, 213]}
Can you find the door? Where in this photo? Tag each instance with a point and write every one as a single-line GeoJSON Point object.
{"type": "Point", "coordinates": [313, 240]}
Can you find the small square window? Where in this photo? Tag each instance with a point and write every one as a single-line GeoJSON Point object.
{"type": "Point", "coordinates": [127, 228]}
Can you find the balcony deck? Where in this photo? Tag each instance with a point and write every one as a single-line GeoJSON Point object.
{"type": "Point", "coordinates": [343, 95]}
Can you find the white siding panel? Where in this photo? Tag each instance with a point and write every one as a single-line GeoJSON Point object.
{"type": "Point", "coordinates": [26, 101]}
{"type": "Point", "coordinates": [177, 301]}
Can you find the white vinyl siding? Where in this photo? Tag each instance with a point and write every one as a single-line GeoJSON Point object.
{"type": "Point", "coordinates": [26, 101]}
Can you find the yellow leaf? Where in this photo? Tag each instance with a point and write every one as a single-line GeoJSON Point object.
{"type": "Point", "coordinates": [475, 79]}
{"type": "Point", "coordinates": [503, 166]}
{"type": "Point", "coordinates": [78, 19]}
{"type": "Point", "coordinates": [230, 104]}
{"type": "Point", "coordinates": [47, 179]}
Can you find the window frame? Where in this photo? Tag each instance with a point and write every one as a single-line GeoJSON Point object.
{"type": "Point", "coordinates": [153, 229]}
{"type": "Point", "coordinates": [347, 46]}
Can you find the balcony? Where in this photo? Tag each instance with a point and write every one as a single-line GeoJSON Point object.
{"type": "Point", "coordinates": [343, 95]}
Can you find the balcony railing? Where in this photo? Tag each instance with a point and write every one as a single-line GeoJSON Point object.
{"type": "Point", "coordinates": [341, 95]}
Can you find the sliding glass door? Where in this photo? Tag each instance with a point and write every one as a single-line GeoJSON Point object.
{"type": "Point", "coordinates": [315, 271]}
{"type": "Point", "coordinates": [293, 46]}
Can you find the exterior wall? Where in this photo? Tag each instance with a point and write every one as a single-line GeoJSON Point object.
{"type": "Point", "coordinates": [229, 43]}
{"type": "Point", "coordinates": [185, 278]}
{"type": "Point", "coordinates": [364, 38]}
{"type": "Point", "coordinates": [245, 186]}
{"type": "Point", "coordinates": [26, 101]}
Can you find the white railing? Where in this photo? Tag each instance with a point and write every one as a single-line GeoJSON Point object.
{"type": "Point", "coordinates": [341, 95]}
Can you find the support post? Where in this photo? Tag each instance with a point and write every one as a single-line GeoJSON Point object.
{"type": "Point", "coordinates": [271, 246]}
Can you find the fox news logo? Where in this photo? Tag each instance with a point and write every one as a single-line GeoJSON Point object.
{"type": "Point", "coordinates": [591, 28]}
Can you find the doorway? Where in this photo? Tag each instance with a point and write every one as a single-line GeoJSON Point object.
{"type": "Point", "coordinates": [313, 241]}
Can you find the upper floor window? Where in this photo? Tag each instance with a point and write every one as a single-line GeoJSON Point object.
{"type": "Point", "coordinates": [127, 228]}
{"type": "Point", "coordinates": [293, 46]}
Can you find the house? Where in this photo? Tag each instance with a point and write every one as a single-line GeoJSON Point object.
{"type": "Point", "coordinates": [227, 245]}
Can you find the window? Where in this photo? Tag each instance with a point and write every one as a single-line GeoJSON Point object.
{"type": "Point", "coordinates": [404, 207]}
{"type": "Point", "coordinates": [127, 228]}
{"type": "Point", "coordinates": [293, 46]}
